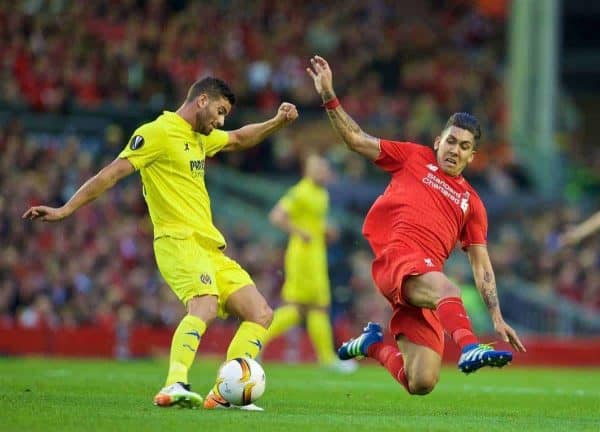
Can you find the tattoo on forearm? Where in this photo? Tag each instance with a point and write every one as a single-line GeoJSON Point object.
{"type": "Point", "coordinates": [328, 95]}
{"type": "Point", "coordinates": [487, 277]}
{"type": "Point", "coordinates": [343, 123]}
{"type": "Point", "coordinates": [488, 290]}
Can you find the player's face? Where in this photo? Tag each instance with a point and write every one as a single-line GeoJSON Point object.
{"type": "Point", "coordinates": [210, 113]}
{"type": "Point", "coordinates": [455, 150]}
{"type": "Point", "coordinates": [319, 170]}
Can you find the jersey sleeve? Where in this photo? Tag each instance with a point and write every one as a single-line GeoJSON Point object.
{"type": "Point", "coordinates": [145, 146]}
{"type": "Point", "coordinates": [215, 141]}
{"type": "Point", "coordinates": [475, 230]}
{"type": "Point", "coordinates": [393, 154]}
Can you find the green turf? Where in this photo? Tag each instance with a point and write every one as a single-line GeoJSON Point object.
{"type": "Point", "coordinates": [85, 395]}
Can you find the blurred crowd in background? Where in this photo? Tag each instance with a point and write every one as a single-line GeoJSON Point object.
{"type": "Point", "coordinates": [402, 67]}
{"type": "Point", "coordinates": [399, 77]}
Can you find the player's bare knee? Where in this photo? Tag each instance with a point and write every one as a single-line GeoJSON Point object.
{"type": "Point", "coordinates": [263, 315]}
{"type": "Point", "coordinates": [420, 390]}
{"type": "Point", "coordinates": [203, 307]}
{"type": "Point", "coordinates": [267, 316]}
{"type": "Point", "coordinates": [422, 383]}
{"type": "Point", "coordinates": [421, 386]}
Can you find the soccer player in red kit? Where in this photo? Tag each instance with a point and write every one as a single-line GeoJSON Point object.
{"type": "Point", "coordinates": [412, 228]}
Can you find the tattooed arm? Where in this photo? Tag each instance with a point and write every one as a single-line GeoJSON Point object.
{"type": "Point", "coordinates": [485, 281]}
{"type": "Point", "coordinates": [345, 126]}
{"type": "Point", "coordinates": [483, 273]}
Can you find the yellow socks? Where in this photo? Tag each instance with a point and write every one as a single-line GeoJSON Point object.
{"type": "Point", "coordinates": [183, 348]}
{"type": "Point", "coordinates": [318, 327]}
{"type": "Point", "coordinates": [319, 331]}
{"type": "Point", "coordinates": [284, 318]}
{"type": "Point", "coordinates": [248, 341]}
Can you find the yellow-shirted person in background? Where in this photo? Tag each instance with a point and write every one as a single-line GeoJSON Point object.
{"type": "Point", "coordinates": [170, 154]}
{"type": "Point", "coordinates": [302, 213]}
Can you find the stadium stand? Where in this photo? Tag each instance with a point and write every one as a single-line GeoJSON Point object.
{"type": "Point", "coordinates": [124, 61]}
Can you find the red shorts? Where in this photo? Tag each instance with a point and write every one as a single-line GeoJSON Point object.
{"type": "Point", "coordinates": [421, 326]}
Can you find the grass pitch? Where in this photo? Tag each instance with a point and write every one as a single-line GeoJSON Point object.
{"type": "Point", "coordinates": [91, 395]}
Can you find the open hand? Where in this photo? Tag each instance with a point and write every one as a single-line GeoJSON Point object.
{"type": "Point", "coordinates": [507, 334]}
{"type": "Point", "coordinates": [45, 213]}
{"type": "Point", "coordinates": [320, 72]}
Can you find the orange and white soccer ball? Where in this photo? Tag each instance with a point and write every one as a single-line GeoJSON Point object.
{"type": "Point", "coordinates": [241, 381]}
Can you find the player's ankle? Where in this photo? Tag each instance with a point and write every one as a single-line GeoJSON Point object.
{"type": "Point", "coordinates": [464, 337]}
{"type": "Point", "coordinates": [373, 348]}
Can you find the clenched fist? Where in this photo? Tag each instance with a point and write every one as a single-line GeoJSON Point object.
{"type": "Point", "coordinates": [286, 113]}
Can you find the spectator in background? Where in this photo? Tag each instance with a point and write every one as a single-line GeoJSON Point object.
{"type": "Point", "coordinates": [118, 69]}
{"type": "Point", "coordinates": [113, 61]}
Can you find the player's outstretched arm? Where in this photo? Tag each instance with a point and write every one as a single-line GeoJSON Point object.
{"type": "Point", "coordinates": [249, 135]}
{"type": "Point", "coordinates": [581, 231]}
{"type": "Point", "coordinates": [346, 127]}
{"type": "Point", "coordinates": [106, 178]}
{"type": "Point", "coordinates": [281, 219]}
{"type": "Point", "coordinates": [485, 281]}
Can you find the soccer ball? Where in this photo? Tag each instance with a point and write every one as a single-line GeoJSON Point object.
{"type": "Point", "coordinates": [241, 381]}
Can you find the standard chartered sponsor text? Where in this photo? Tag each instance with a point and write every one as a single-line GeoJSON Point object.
{"type": "Point", "coordinates": [437, 183]}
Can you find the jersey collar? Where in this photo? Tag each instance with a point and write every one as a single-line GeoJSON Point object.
{"type": "Point", "coordinates": [176, 118]}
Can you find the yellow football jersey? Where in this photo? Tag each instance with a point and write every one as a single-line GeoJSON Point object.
{"type": "Point", "coordinates": [307, 204]}
{"type": "Point", "coordinates": [170, 157]}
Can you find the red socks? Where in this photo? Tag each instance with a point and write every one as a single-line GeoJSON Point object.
{"type": "Point", "coordinates": [455, 321]}
{"type": "Point", "coordinates": [390, 358]}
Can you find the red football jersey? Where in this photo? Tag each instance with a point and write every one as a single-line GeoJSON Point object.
{"type": "Point", "coordinates": [423, 207]}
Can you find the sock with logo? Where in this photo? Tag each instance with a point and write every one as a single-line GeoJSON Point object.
{"type": "Point", "coordinates": [455, 321]}
{"type": "Point", "coordinates": [183, 348]}
{"type": "Point", "coordinates": [390, 357]}
{"type": "Point", "coordinates": [284, 318]}
{"type": "Point", "coordinates": [248, 341]}
{"type": "Point", "coordinates": [318, 326]}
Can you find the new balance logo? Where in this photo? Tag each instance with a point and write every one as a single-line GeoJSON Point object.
{"type": "Point", "coordinates": [194, 333]}
{"type": "Point", "coordinates": [432, 167]}
{"type": "Point", "coordinates": [257, 343]}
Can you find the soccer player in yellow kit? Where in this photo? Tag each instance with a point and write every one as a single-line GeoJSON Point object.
{"type": "Point", "coordinates": [302, 213]}
{"type": "Point", "coordinates": [170, 154]}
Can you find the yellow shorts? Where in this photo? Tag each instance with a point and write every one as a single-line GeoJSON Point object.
{"type": "Point", "coordinates": [306, 283]}
{"type": "Point", "coordinates": [193, 269]}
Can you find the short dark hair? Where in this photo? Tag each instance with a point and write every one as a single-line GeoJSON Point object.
{"type": "Point", "coordinates": [465, 121]}
{"type": "Point", "coordinates": [213, 87]}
